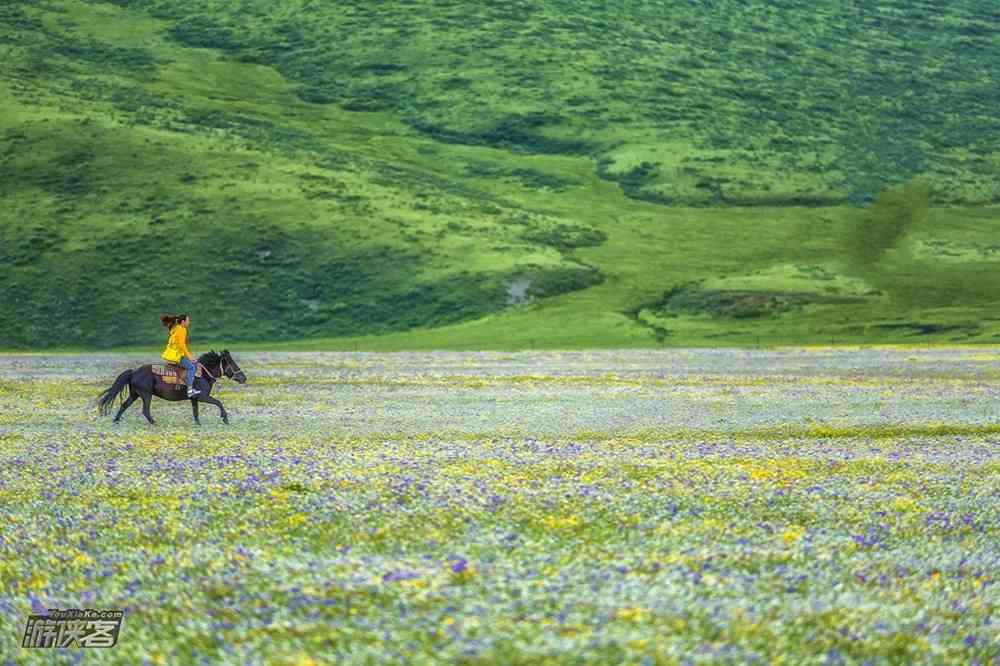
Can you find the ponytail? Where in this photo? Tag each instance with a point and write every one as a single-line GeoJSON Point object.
{"type": "Point", "coordinates": [169, 320]}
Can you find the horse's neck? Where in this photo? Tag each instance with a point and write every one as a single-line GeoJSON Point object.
{"type": "Point", "coordinates": [212, 367]}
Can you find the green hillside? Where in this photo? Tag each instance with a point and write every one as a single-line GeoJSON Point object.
{"type": "Point", "coordinates": [482, 175]}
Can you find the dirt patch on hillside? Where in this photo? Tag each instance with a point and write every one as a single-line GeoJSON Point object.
{"type": "Point", "coordinates": [732, 304]}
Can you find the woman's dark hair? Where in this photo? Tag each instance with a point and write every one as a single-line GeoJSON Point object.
{"type": "Point", "coordinates": [168, 320]}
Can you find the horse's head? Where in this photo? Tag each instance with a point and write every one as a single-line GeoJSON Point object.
{"type": "Point", "coordinates": [230, 367]}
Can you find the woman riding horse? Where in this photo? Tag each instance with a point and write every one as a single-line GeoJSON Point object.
{"type": "Point", "coordinates": [177, 349]}
{"type": "Point", "coordinates": [145, 382]}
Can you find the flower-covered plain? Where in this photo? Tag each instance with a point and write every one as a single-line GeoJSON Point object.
{"type": "Point", "coordinates": [713, 506]}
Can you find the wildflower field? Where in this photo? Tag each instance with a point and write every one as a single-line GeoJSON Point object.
{"type": "Point", "coordinates": [800, 506]}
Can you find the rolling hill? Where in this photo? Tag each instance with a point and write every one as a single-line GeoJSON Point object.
{"type": "Point", "coordinates": [453, 174]}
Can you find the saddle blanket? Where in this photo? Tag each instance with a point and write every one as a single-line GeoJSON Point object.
{"type": "Point", "coordinates": [173, 374]}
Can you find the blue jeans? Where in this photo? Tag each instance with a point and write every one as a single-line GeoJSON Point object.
{"type": "Point", "coordinates": [189, 366]}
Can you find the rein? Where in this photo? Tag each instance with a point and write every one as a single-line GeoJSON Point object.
{"type": "Point", "coordinates": [222, 370]}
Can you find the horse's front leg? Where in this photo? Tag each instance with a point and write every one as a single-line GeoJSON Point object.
{"type": "Point", "coordinates": [222, 410]}
{"type": "Point", "coordinates": [194, 409]}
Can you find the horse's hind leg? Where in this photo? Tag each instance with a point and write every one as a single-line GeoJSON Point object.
{"type": "Point", "coordinates": [132, 397]}
{"type": "Point", "coordinates": [146, 399]}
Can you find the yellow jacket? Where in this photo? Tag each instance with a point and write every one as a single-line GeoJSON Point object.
{"type": "Point", "coordinates": [177, 347]}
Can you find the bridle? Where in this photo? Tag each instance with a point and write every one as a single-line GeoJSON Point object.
{"type": "Point", "coordinates": [222, 370]}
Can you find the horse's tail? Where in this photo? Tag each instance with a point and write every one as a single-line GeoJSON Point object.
{"type": "Point", "coordinates": [116, 390]}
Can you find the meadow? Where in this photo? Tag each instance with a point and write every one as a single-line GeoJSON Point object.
{"type": "Point", "coordinates": [685, 506]}
{"type": "Point", "coordinates": [524, 175]}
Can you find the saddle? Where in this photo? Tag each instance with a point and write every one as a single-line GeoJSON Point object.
{"type": "Point", "coordinates": [173, 373]}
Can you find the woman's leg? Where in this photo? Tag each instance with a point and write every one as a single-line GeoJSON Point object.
{"type": "Point", "coordinates": [189, 366]}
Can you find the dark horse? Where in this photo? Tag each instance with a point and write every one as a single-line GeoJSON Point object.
{"type": "Point", "coordinates": [142, 383]}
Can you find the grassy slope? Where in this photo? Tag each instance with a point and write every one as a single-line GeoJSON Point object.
{"type": "Point", "coordinates": [335, 170]}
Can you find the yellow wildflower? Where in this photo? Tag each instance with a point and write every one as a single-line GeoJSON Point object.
{"type": "Point", "coordinates": [566, 521]}
{"type": "Point", "coordinates": [631, 614]}
{"type": "Point", "coordinates": [792, 534]}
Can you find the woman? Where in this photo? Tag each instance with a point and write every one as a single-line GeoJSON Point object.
{"type": "Point", "coordinates": [177, 350]}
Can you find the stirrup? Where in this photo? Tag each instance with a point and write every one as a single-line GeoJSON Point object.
{"type": "Point", "coordinates": [193, 392]}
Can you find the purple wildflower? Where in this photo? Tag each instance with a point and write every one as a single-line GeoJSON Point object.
{"type": "Point", "coordinates": [394, 576]}
{"type": "Point", "coordinates": [37, 607]}
{"type": "Point", "coordinates": [458, 564]}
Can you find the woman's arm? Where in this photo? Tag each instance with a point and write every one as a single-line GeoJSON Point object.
{"type": "Point", "coordinates": [182, 343]}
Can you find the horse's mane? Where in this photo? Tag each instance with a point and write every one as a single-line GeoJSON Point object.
{"type": "Point", "coordinates": [210, 358]}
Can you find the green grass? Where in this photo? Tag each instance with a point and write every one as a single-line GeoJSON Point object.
{"type": "Point", "coordinates": [543, 175]}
